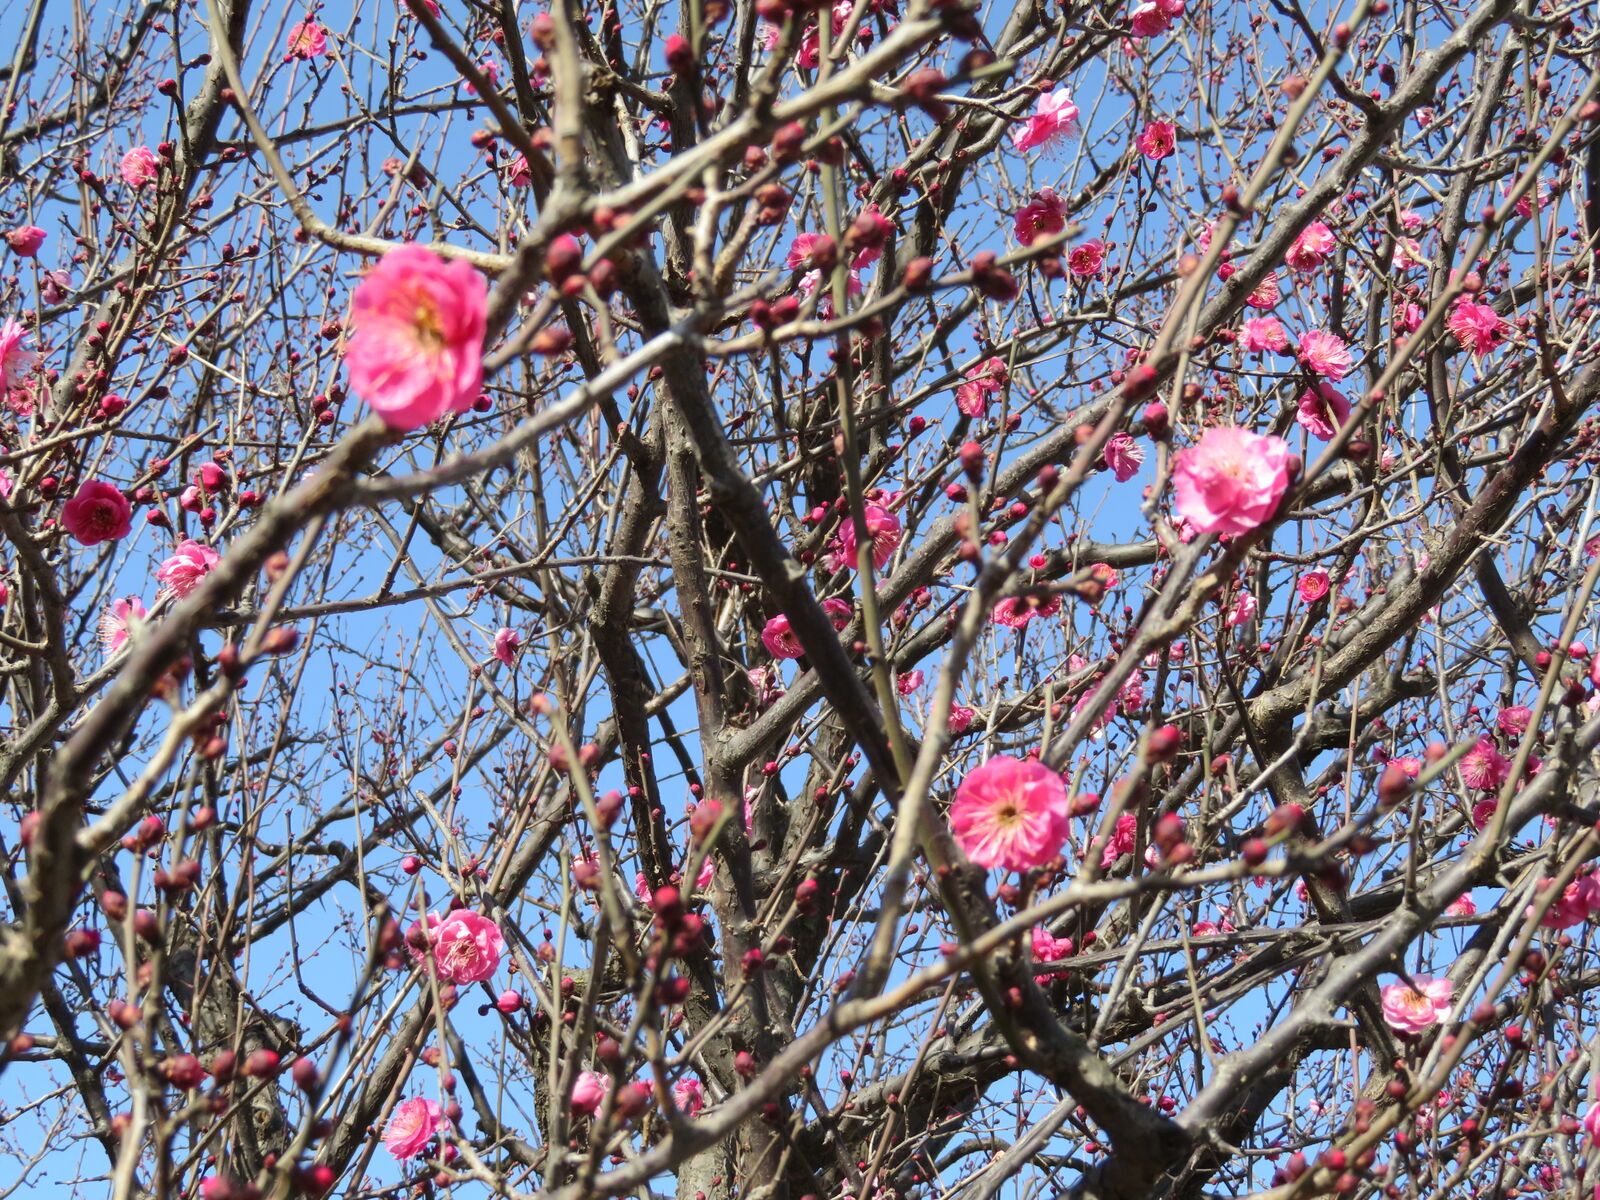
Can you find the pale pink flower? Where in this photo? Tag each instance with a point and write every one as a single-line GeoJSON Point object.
{"type": "Point", "coordinates": [506, 644]}
{"type": "Point", "coordinates": [767, 685]}
{"type": "Point", "coordinates": [1514, 719]}
{"type": "Point", "coordinates": [883, 528]}
{"type": "Point", "coordinates": [466, 947]}
{"type": "Point", "coordinates": [1408, 1011]}
{"type": "Point", "coordinates": [1157, 140]}
{"type": "Point", "coordinates": [907, 683]}
{"type": "Point", "coordinates": [190, 563]}
{"type": "Point", "coordinates": [98, 513]}
{"type": "Point", "coordinates": [689, 1095]}
{"type": "Point", "coordinates": [1231, 480]}
{"type": "Point", "coordinates": [1014, 612]}
{"type": "Point", "coordinates": [1044, 215]}
{"type": "Point", "coordinates": [1054, 117]}
{"type": "Point", "coordinates": [1321, 410]}
{"type": "Point", "coordinates": [15, 359]}
{"type": "Point", "coordinates": [987, 378]}
{"type": "Point", "coordinates": [1260, 334]}
{"type": "Point", "coordinates": [1407, 254]}
{"type": "Point", "coordinates": [25, 241]}
{"type": "Point", "coordinates": [1010, 814]}
{"type": "Point", "coordinates": [1411, 766]}
{"type": "Point", "coordinates": [412, 1127]}
{"type": "Point", "coordinates": [800, 250]}
{"type": "Point", "coordinates": [1578, 900]}
{"type": "Point", "coordinates": [1242, 609]}
{"type": "Point", "coordinates": [1325, 354]}
{"type": "Point", "coordinates": [118, 619]}
{"type": "Point", "coordinates": [1476, 325]}
{"type": "Point", "coordinates": [1265, 294]}
{"type": "Point", "coordinates": [1312, 586]}
{"type": "Point", "coordinates": [839, 613]}
{"type": "Point", "coordinates": [1311, 249]}
{"type": "Point", "coordinates": [779, 638]}
{"type": "Point", "coordinates": [1484, 767]}
{"type": "Point", "coordinates": [1123, 839]}
{"type": "Point", "coordinates": [1410, 220]}
{"type": "Point", "coordinates": [417, 350]}
{"type": "Point", "coordinates": [140, 166]}
{"type": "Point", "coordinates": [1049, 948]}
{"type": "Point", "coordinates": [1087, 258]}
{"type": "Point", "coordinates": [1123, 456]}
{"type": "Point", "coordinates": [810, 280]}
{"type": "Point", "coordinates": [589, 1093]}
{"type": "Point", "coordinates": [961, 719]}
{"type": "Point", "coordinates": [307, 40]}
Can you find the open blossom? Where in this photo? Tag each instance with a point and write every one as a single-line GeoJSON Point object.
{"type": "Point", "coordinates": [1123, 839]}
{"type": "Point", "coordinates": [1462, 906]}
{"type": "Point", "coordinates": [1231, 480]}
{"type": "Point", "coordinates": [1154, 17]}
{"type": "Point", "coordinates": [1260, 334]}
{"type": "Point", "coordinates": [417, 350]}
{"type": "Point", "coordinates": [1010, 814]}
{"type": "Point", "coordinates": [883, 528]}
{"type": "Point", "coordinates": [98, 513]}
{"type": "Point", "coordinates": [908, 682]}
{"type": "Point", "coordinates": [190, 563]}
{"type": "Point", "coordinates": [1578, 901]}
{"type": "Point", "coordinates": [1407, 254]}
{"type": "Point", "coordinates": [140, 166]}
{"type": "Point", "coordinates": [1325, 354]}
{"type": "Point", "coordinates": [506, 644]}
{"type": "Point", "coordinates": [412, 1127]}
{"type": "Point", "coordinates": [1321, 410]}
{"type": "Point", "coordinates": [1311, 249]}
{"type": "Point", "coordinates": [1044, 215]}
{"type": "Point", "coordinates": [1476, 325]}
{"type": "Point", "coordinates": [518, 173]}
{"type": "Point", "coordinates": [1243, 608]}
{"type": "Point", "coordinates": [689, 1094]}
{"type": "Point", "coordinates": [1123, 456]}
{"type": "Point", "coordinates": [1312, 586]}
{"type": "Point", "coordinates": [25, 242]}
{"type": "Point", "coordinates": [1408, 1011]}
{"type": "Point", "coordinates": [986, 379]}
{"type": "Point", "coordinates": [589, 1093]}
{"type": "Point", "coordinates": [1087, 258]}
{"type": "Point", "coordinates": [1014, 612]}
{"type": "Point", "coordinates": [1054, 117]}
{"type": "Point", "coordinates": [839, 613]}
{"type": "Point", "coordinates": [779, 638]}
{"type": "Point", "coordinates": [119, 617]}
{"type": "Point", "coordinates": [1157, 140]}
{"type": "Point", "coordinates": [803, 251]}
{"type": "Point", "coordinates": [1265, 294]}
{"type": "Point", "coordinates": [1049, 948]}
{"type": "Point", "coordinates": [1484, 767]}
{"type": "Point", "coordinates": [466, 946]}
{"type": "Point", "coordinates": [307, 40]}
{"type": "Point", "coordinates": [1514, 719]}
{"type": "Point", "coordinates": [16, 360]}
{"type": "Point", "coordinates": [960, 719]}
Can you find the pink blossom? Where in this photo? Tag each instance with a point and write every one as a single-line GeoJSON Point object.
{"type": "Point", "coordinates": [1049, 948]}
{"type": "Point", "coordinates": [960, 719]}
{"type": "Point", "coordinates": [1087, 258]}
{"type": "Point", "coordinates": [1410, 220]}
{"type": "Point", "coordinates": [1149, 20]}
{"type": "Point", "coordinates": [1123, 456]}
{"type": "Point", "coordinates": [1312, 586]}
{"type": "Point", "coordinates": [98, 513]}
{"type": "Point", "coordinates": [15, 359]}
{"type": "Point", "coordinates": [1579, 900]}
{"type": "Point", "coordinates": [1311, 249]}
{"type": "Point", "coordinates": [491, 73]}
{"type": "Point", "coordinates": [1408, 1011]}
{"type": "Point", "coordinates": [190, 563]}
{"type": "Point", "coordinates": [1243, 608]}
{"type": "Point", "coordinates": [589, 1093]}
{"type": "Point", "coordinates": [1204, 929]}
{"type": "Point", "coordinates": [1157, 140]}
{"type": "Point", "coordinates": [466, 947]}
{"type": "Point", "coordinates": [708, 871]}
{"type": "Point", "coordinates": [839, 613]}
{"type": "Point", "coordinates": [1231, 480]}
{"type": "Point", "coordinates": [1015, 612]}
{"type": "Point", "coordinates": [140, 166]}
{"type": "Point", "coordinates": [1407, 254]}
{"type": "Point", "coordinates": [518, 173]}
{"type": "Point", "coordinates": [1325, 354]}
{"type": "Point", "coordinates": [1321, 410]}
{"type": "Point", "coordinates": [506, 644]}
{"type": "Point", "coordinates": [25, 242]}
{"type": "Point", "coordinates": [1462, 906]}
{"type": "Point", "coordinates": [417, 350]}
{"type": "Point", "coordinates": [800, 250]}
{"type": "Point", "coordinates": [987, 378]}
{"type": "Point", "coordinates": [412, 1127]}
{"type": "Point", "coordinates": [689, 1095]}
{"type": "Point", "coordinates": [307, 40]}
{"type": "Point", "coordinates": [1476, 325]}
{"type": "Point", "coordinates": [1411, 766]}
{"type": "Point", "coordinates": [117, 621]}
{"type": "Point", "coordinates": [1123, 838]}
{"type": "Point", "coordinates": [1010, 814]}
{"type": "Point", "coordinates": [1054, 117]}
{"type": "Point", "coordinates": [1591, 1123]}
{"type": "Point", "coordinates": [779, 638]}
{"type": "Point", "coordinates": [1483, 812]}
{"type": "Point", "coordinates": [907, 683]}
{"type": "Point", "coordinates": [1484, 767]}
{"type": "Point", "coordinates": [1409, 317]}
{"type": "Point", "coordinates": [1260, 334]}
{"type": "Point", "coordinates": [1044, 215]}
{"type": "Point", "coordinates": [1514, 719]}
{"type": "Point", "coordinates": [1265, 293]}
{"type": "Point", "coordinates": [883, 527]}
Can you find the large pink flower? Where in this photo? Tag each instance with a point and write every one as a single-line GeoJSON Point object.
{"type": "Point", "coordinates": [118, 618]}
{"type": "Point", "coordinates": [307, 39]}
{"type": "Point", "coordinates": [1476, 325]}
{"type": "Point", "coordinates": [189, 564]}
{"type": "Point", "coordinates": [98, 513]}
{"type": "Point", "coordinates": [140, 166]}
{"type": "Point", "coordinates": [1321, 410]}
{"type": "Point", "coordinates": [15, 359]}
{"type": "Point", "coordinates": [1484, 767]}
{"type": "Point", "coordinates": [1408, 1011]}
{"type": "Point", "coordinates": [1054, 118]}
{"type": "Point", "coordinates": [1087, 258]}
{"type": "Point", "coordinates": [417, 350]}
{"type": "Point", "coordinates": [1325, 354]}
{"type": "Point", "coordinates": [1231, 480]}
{"type": "Point", "coordinates": [984, 380]}
{"type": "Point", "coordinates": [467, 947]}
{"type": "Point", "coordinates": [883, 527]}
{"type": "Point", "coordinates": [1044, 215]}
{"type": "Point", "coordinates": [412, 1127]}
{"type": "Point", "coordinates": [779, 639]}
{"type": "Point", "coordinates": [1049, 948]}
{"type": "Point", "coordinates": [1260, 334]}
{"type": "Point", "coordinates": [1157, 140]}
{"type": "Point", "coordinates": [1010, 814]}
{"type": "Point", "coordinates": [1311, 249]}
{"type": "Point", "coordinates": [1123, 455]}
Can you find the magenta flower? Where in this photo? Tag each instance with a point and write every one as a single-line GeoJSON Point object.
{"type": "Point", "coordinates": [189, 564]}
{"type": "Point", "coordinates": [984, 380]}
{"type": "Point", "coordinates": [1044, 215]}
{"type": "Point", "coordinates": [839, 613]}
{"type": "Point", "coordinates": [1321, 411]}
{"type": "Point", "coordinates": [140, 166]}
{"type": "Point", "coordinates": [119, 617]}
{"type": "Point", "coordinates": [1243, 608]}
{"type": "Point", "coordinates": [15, 359]}
{"type": "Point", "coordinates": [1123, 840]}
{"type": "Point", "coordinates": [417, 350]}
{"type": "Point", "coordinates": [518, 173]}
{"type": "Point", "coordinates": [1462, 906]}
{"type": "Point", "coordinates": [1312, 586]}
{"type": "Point", "coordinates": [1408, 1011]}
{"type": "Point", "coordinates": [466, 947]}
{"type": "Point", "coordinates": [1514, 719]}
{"type": "Point", "coordinates": [883, 528]}
{"type": "Point", "coordinates": [25, 242]}
{"type": "Point", "coordinates": [1323, 353]}
{"type": "Point", "coordinates": [1014, 612]}
{"type": "Point", "coordinates": [98, 513]}
{"type": "Point", "coordinates": [908, 682]}
{"type": "Point", "coordinates": [506, 644]}
{"type": "Point", "coordinates": [1265, 294]}
{"type": "Point", "coordinates": [1154, 17]}
{"type": "Point", "coordinates": [307, 40]}
{"type": "Point", "coordinates": [689, 1095]}
{"type": "Point", "coordinates": [1257, 335]}
{"type": "Point", "coordinates": [1484, 767]}
{"type": "Point", "coordinates": [1311, 249]}
{"type": "Point", "coordinates": [961, 718]}
{"type": "Point", "coordinates": [1054, 117]}
{"type": "Point", "coordinates": [1157, 140]}
{"type": "Point", "coordinates": [779, 638]}
{"type": "Point", "coordinates": [412, 1127]}
{"type": "Point", "coordinates": [1231, 480]}
{"type": "Point", "coordinates": [1048, 948]}
{"type": "Point", "coordinates": [1591, 1123]}
{"type": "Point", "coordinates": [1476, 325]}
{"type": "Point", "coordinates": [1123, 456]}
{"type": "Point", "coordinates": [1578, 901]}
{"type": "Point", "coordinates": [1010, 814]}
{"type": "Point", "coordinates": [1087, 258]}
{"type": "Point", "coordinates": [803, 251]}
{"type": "Point", "coordinates": [589, 1093]}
